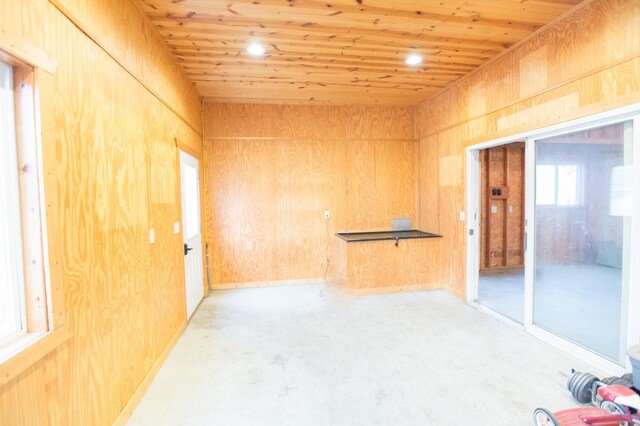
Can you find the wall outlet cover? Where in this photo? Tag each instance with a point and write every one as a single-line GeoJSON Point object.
{"type": "Point", "coordinates": [176, 227]}
{"type": "Point", "coordinates": [462, 217]}
{"type": "Point", "coordinates": [327, 214]}
{"type": "Point", "coordinates": [152, 236]}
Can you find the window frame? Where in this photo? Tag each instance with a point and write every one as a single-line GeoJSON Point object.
{"type": "Point", "coordinates": [579, 186]}
{"type": "Point", "coordinates": [12, 220]}
{"type": "Point", "coordinates": [45, 326]}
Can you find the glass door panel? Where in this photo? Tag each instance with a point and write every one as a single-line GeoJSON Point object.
{"type": "Point", "coordinates": [582, 227]}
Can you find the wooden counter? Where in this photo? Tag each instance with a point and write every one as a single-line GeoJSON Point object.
{"type": "Point", "coordinates": [370, 267]}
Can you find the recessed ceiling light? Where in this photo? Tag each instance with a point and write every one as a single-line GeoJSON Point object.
{"type": "Point", "coordinates": [255, 49]}
{"type": "Point", "coordinates": [413, 59]}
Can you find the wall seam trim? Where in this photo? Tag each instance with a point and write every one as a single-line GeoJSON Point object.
{"type": "Point", "coordinates": [76, 22]}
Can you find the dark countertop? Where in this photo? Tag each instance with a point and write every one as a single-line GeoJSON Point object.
{"type": "Point", "coordinates": [354, 237]}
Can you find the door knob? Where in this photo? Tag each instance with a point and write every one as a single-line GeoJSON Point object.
{"type": "Point", "coordinates": [187, 249]}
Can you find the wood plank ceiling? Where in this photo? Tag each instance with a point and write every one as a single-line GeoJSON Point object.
{"type": "Point", "coordinates": [340, 51]}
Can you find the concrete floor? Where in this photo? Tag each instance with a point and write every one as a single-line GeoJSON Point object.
{"type": "Point", "coordinates": [316, 355]}
{"type": "Point", "coordinates": [502, 290]}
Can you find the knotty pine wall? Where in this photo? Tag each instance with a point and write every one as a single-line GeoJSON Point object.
{"type": "Point", "coordinates": [587, 62]}
{"type": "Point", "coordinates": [113, 145]}
{"type": "Point", "coordinates": [272, 171]}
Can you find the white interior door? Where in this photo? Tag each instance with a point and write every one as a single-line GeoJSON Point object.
{"type": "Point", "coordinates": [191, 232]}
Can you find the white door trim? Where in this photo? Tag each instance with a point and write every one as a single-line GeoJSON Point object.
{"type": "Point", "coordinates": [529, 229]}
{"type": "Point", "coordinates": [193, 263]}
{"type": "Point", "coordinates": [633, 328]}
{"type": "Point", "coordinates": [473, 225]}
{"type": "Point", "coordinates": [474, 215]}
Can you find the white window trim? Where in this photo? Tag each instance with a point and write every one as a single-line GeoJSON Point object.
{"type": "Point", "coordinates": [10, 192]}
{"type": "Point", "coordinates": [46, 325]}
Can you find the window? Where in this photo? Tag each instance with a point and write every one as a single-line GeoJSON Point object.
{"type": "Point", "coordinates": [192, 220]}
{"type": "Point", "coordinates": [12, 313]}
{"type": "Point", "coordinates": [32, 315]}
{"type": "Point", "coordinates": [558, 185]}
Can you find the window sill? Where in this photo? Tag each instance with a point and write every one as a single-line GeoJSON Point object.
{"type": "Point", "coordinates": [29, 349]}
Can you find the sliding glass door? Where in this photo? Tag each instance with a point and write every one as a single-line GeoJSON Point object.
{"type": "Point", "coordinates": [582, 228]}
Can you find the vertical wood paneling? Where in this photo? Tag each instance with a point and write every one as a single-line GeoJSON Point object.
{"type": "Point", "coordinates": [109, 142]}
{"type": "Point", "coordinates": [428, 170]}
{"type": "Point", "coordinates": [127, 35]}
{"type": "Point", "coordinates": [269, 184]}
{"type": "Point", "coordinates": [382, 182]}
{"type": "Point", "coordinates": [382, 264]}
{"type": "Point", "coordinates": [586, 72]}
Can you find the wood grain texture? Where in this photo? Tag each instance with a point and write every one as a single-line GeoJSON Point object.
{"type": "Point", "coordinates": [128, 410]}
{"type": "Point", "coordinates": [109, 167]}
{"type": "Point", "coordinates": [501, 232]}
{"type": "Point", "coordinates": [428, 189]}
{"type": "Point", "coordinates": [28, 150]}
{"type": "Point", "coordinates": [382, 265]}
{"type": "Point", "coordinates": [224, 120]}
{"type": "Point", "coordinates": [341, 52]}
{"type": "Point", "coordinates": [268, 187]}
{"type": "Point", "coordinates": [123, 31]}
{"type": "Point", "coordinates": [584, 76]}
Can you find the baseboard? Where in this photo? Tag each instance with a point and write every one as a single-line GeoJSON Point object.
{"type": "Point", "coordinates": [459, 294]}
{"type": "Point", "coordinates": [254, 284]}
{"type": "Point", "coordinates": [498, 268]}
{"type": "Point", "coordinates": [393, 289]}
{"type": "Point", "coordinates": [139, 393]}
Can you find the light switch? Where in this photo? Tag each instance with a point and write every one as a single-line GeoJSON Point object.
{"type": "Point", "coordinates": [462, 217]}
{"type": "Point", "coordinates": [152, 236]}
{"type": "Point", "coordinates": [510, 209]}
{"type": "Point", "coordinates": [494, 209]}
{"type": "Point", "coordinates": [176, 227]}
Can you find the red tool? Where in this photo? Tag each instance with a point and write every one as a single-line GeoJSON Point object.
{"type": "Point", "coordinates": [615, 410]}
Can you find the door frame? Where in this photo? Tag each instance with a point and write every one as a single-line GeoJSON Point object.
{"type": "Point", "coordinates": [631, 112]}
{"type": "Point", "coordinates": [473, 226]}
{"type": "Point", "coordinates": [198, 155]}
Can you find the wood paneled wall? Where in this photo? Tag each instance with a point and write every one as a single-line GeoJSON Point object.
{"type": "Point", "coordinates": [384, 267]}
{"type": "Point", "coordinates": [272, 171]}
{"type": "Point", "coordinates": [116, 160]}
{"type": "Point", "coordinates": [587, 63]}
{"type": "Point", "coordinates": [129, 37]}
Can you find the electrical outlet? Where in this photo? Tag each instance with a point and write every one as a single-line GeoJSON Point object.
{"type": "Point", "coordinates": [494, 209]}
{"type": "Point", "coordinates": [510, 209]}
{"type": "Point", "coordinates": [152, 236]}
{"type": "Point", "coordinates": [327, 214]}
{"type": "Point", "coordinates": [176, 227]}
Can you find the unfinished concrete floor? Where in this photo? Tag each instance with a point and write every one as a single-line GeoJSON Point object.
{"type": "Point", "coordinates": [317, 355]}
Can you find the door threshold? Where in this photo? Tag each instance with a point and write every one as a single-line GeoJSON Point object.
{"type": "Point", "coordinates": [496, 315]}
{"type": "Point", "coordinates": [571, 349]}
